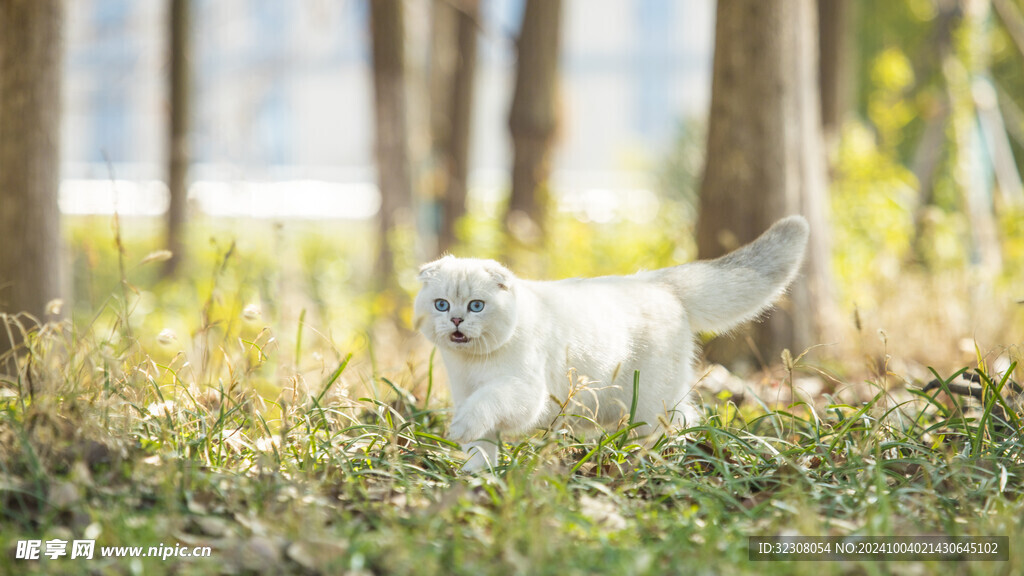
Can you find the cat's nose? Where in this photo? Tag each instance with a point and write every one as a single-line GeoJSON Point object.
{"type": "Point", "coordinates": [456, 321]}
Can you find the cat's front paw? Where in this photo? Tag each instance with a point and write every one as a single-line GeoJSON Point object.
{"type": "Point", "coordinates": [482, 456]}
{"type": "Point", "coordinates": [467, 427]}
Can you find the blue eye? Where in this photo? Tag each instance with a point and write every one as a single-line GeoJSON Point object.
{"type": "Point", "coordinates": [441, 305]}
{"type": "Point", "coordinates": [476, 305]}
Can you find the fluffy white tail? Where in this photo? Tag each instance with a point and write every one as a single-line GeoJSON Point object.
{"type": "Point", "coordinates": [720, 294]}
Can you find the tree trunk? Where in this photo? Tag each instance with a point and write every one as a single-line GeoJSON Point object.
{"type": "Point", "coordinates": [533, 119]}
{"type": "Point", "coordinates": [179, 85]}
{"type": "Point", "coordinates": [765, 157]}
{"type": "Point", "coordinates": [834, 67]}
{"type": "Point", "coordinates": [933, 145]}
{"type": "Point", "coordinates": [30, 110]}
{"type": "Point", "coordinates": [454, 42]}
{"type": "Point", "coordinates": [391, 144]}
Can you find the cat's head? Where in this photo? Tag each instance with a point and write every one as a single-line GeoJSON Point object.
{"type": "Point", "coordinates": [466, 304]}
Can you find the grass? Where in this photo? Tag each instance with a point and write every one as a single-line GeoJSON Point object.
{"type": "Point", "coordinates": [308, 451]}
{"type": "Point", "coordinates": [107, 442]}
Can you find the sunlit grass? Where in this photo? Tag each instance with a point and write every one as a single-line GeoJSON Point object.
{"type": "Point", "coordinates": [277, 425]}
{"type": "Point", "coordinates": [108, 441]}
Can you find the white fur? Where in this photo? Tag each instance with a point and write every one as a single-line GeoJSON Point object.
{"type": "Point", "coordinates": [534, 342]}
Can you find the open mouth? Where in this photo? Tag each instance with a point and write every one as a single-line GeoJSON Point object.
{"type": "Point", "coordinates": [458, 337]}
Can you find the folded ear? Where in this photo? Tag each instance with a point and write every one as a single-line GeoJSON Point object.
{"type": "Point", "coordinates": [501, 275]}
{"type": "Point", "coordinates": [429, 270]}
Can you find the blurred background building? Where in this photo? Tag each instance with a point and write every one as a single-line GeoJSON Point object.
{"type": "Point", "coordinates": [283, 98]}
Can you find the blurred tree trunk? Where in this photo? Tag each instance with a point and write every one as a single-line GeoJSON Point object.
{"type": "Point", "coordinates": [1011, 16]}
{"type": "Point", "coordinates": [932, 146]}
{"type": "Point", "coordinates": [834, 67]}
{"type": "Point", "coordinates": [974, 161]}
{"type": "Point", "coordinates": [765, 158]}
{"type": "Point", "coordinates": [30, 110]}
{"type": "Point", "coordinates": [393, 173]}
{"type": "Point", "coordinates": [179, 85]}
{"type": "Point", "coordinates": [533, 121]}
{"type": "Point", "coordinates": [454, 42]}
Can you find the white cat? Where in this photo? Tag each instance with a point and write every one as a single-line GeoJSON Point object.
{"type": "Point", "coordinates": [515, 348]}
